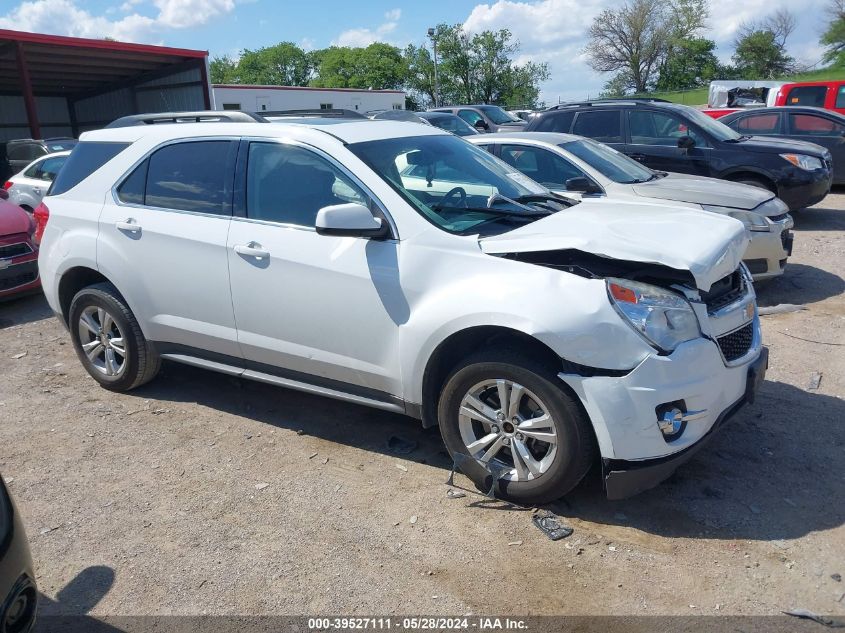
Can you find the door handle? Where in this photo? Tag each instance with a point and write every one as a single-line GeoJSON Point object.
{"type": "Point", "coordinates": [253, 249]}
{"type": "Point", "coordinates": [638, 157]}
{"type": "Point", "coordinates": [129, 224]}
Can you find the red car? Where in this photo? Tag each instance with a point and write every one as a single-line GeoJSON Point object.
{"type": "Point", "coordinates": [18, 250]}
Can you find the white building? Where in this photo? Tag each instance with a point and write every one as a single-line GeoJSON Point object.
{"type": "Point", "coordinates": [273, 98]}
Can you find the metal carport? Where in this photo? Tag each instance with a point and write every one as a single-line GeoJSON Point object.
{"type": "Point", "coordinates": [61, 86]}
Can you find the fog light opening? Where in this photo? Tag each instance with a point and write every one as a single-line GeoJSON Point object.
{"type": "Point", "coordinates": [670, 420]}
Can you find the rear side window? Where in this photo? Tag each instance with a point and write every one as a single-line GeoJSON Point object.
{"type": "Point", "coordinates": [26, 151]}
{"type": "Point", "coordinates": [809, 125]}
{"type": "Point", "coordinates": [807, 96]}
{"type": "Point", "coordinates": [192, 176]}
{"type": "Point", "coordinates": [555, 122]}
{"type": "Point", "coordinates": [601, 125]}
{"type": "Point", "coordinates": [84, 160]}
{"type": "Point", "coordinates": [758, 124]}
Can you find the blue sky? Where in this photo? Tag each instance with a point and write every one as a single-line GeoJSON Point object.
{"type": "Point", "coordinates": [553, 31]}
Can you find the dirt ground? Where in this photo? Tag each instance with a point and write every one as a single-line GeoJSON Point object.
{"type": "Point", "coordinates": [199, 493]}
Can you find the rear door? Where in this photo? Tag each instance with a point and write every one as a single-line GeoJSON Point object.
{"type": "Point", "coordinates": [163, 242]}
{"type": "Point", "coordinates": [653, 137]}
{"type": "Point", "coordinates": [760, 124]}
{"type": "Point", "coordinates": [604, 126]}
{"type": "Point", "coordinates": [822, 130]}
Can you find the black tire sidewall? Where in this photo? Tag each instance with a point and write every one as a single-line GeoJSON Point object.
{"type": "Point", "coordinates": [94, 297]}
{"type": "Point", "coordinates": [574, 441]}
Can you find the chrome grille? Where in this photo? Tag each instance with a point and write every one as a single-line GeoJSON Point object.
{"type": "Point", "coordinates": [737, 343]}
{"type": "Point", "coordinates": [7, 251]}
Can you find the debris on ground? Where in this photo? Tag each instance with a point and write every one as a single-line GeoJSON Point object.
{"type": "Point", "coordinates": [313, 455]}
{"type": "Point", "coordinates": [815, 381]}
{"type": "Point", "coordinates": [455, 494]}
{"type": "Point", "coordinates": [413, 519]}
{"type": "Point", "coordinates": [18, 356]}
{"type": "Point", "coordinates": [401, 446]}
{"type": "Point", "coordinates": [401, 467]}
{"type": "Point", "coordinates": [261, 486]}
{"type": "Point", "coordinates": [551, 526]}
{"type": "Point", "coordinates": [836, 577]}
{"type": "Point", "coordinates": [512, 543]}
{"type": "Point", "coordinates": [809, 615]}
{"type": "Point", "coordinates": [781, 308]}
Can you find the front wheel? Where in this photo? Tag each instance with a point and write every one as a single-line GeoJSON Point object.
{"type": "Point", "coordinates": [510, 412]}
{"type": "Point", "coordinates": [108, 339]}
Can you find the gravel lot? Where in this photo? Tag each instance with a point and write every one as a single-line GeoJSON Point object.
{"type": "Point", "coordinates": [199, 493]}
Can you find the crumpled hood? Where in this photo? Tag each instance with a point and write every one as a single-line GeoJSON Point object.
{"type": "Point", "coordinates": [700, 190]}
{"type": "Point", "coordinates": [708, 245]}
{"type": "Point", "coordinates": [13, 219]}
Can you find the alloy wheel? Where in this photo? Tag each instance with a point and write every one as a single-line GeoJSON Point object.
{"type": "Point", "coordinates": [502, 421]}
{"type": "Point", "coordinates": [102, 341]}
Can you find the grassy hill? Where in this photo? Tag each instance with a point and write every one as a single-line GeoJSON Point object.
{"type": "Point", "coordinates": [698, 96]}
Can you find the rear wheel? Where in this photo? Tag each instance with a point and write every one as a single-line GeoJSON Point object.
{"type": "Point", "coordinates": [509, 412]}
{"type": "Point", "coordinates": [108, 339]}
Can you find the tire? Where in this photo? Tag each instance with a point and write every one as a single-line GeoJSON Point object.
{"type": "Point", "coordinates": [101, 305]}
{"type": "Point", "coordinates": [574, 442]}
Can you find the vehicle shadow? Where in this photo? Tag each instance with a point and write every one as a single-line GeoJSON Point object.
{"type": "Point", "coordinates": [820, 217]}
{"type": "Point", "coordinates": [69, 611]}
{"type": "Point", "coordinates": [800, 284]}
{"type": "Point", "coordinates": [774, 473]}
{"type": "Point", "coordinates": [26, 309]}
{"type": "Point", "coordinates": [765, 476]}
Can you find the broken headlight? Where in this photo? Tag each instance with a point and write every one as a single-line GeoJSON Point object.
{"type": "Point", "coordinates": [664, 318]}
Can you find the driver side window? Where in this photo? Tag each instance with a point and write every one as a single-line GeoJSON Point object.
{"type": "Point", "coordinates": [290, 184]}
{"type": "Point", "coordinates": [648, 127]}
{"type": "Point", "coordinates": [541, 165]}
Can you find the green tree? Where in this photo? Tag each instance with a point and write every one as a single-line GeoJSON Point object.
{"type": "Point", "coordinates": [379, 66]}
{"type": "Point", "coordinates": [758, 56]}
{"type": "Point", "coordinates": [833, 38]}
{"type": "Point", "coordinates": [284, 64]}
{"type": "Point", "coordinates": [690, 63]}
{"type": "Point", "coordinates": [420, 81]}
{"type": "Point", "coordinates": [223, 70]}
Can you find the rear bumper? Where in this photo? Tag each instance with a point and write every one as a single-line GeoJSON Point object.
{"type": "Point", "coordinates": [625, 478]}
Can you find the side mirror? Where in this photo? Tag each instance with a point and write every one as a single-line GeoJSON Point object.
{"type": "Point", "coordinates": [350, 220]}
{"type": "Point", "coordinates": [481, 125]}
{"type": "Point", "coordinates": [581, 184]}
{"type": "Point", "coordinates": [686, 142]}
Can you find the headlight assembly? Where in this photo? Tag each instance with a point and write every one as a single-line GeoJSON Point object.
{"type": "Point", "coordinates": [752, 220]}
{"type": "Point", "coordinates": [808, 163]}
{"type": "Point", "coordinates": [664, 318]}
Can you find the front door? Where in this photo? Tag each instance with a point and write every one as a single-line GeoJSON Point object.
{"type": "Point", "coordinates": [163, 243]}
{"type": "Point", "coordinates": [313, 308]}
{"type": "Point", "coordinates": [653, 141]}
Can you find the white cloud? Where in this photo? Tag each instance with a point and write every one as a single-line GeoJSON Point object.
{"type": "Point", "coordinates": [555, 31]}
{"type": "Point", "coordinates": [65, 17]}
{"type": "Point", "coordinates": [365, 37]}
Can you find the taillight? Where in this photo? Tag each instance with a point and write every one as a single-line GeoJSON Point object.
{"type": "Point", "coordinates": [8, 185]}
{"type": "Point", "coordinates": [40, 215]}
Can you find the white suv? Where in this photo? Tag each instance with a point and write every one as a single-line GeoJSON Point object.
{"type": "Point", "coordinates": [397, 266]}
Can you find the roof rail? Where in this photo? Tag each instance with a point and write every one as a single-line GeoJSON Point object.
{"type": "Point", "coordinates": [330, 113]}
{"type": "Point", "coordinates": [620, 101]}
{"type": "Point", "coordinates": [203, 116]}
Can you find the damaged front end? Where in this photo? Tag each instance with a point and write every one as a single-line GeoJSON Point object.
{"type": "Point", "coordinates": [707, 361]}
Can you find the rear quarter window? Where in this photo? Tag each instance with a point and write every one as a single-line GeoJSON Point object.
{"type": "Point", "coordinates": [84, 160]}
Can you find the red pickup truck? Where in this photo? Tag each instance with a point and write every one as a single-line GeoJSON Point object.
{"type": "Point", "coordinates": [829, 95]}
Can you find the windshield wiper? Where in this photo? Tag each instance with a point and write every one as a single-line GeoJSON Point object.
{"type": "Point", "coordinates": [524, 211]}
{"type": "Point", "coordinates": [738, 139]}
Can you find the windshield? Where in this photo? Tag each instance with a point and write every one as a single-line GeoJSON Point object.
{"type": "Point", "coordinates": [613, 164]}
{"type": "Point", "coordinates": [497, 115]}
{"type": "Point", "coordinates": [718, 130]}
{"type": "Point", "coordinates": [457, 186]}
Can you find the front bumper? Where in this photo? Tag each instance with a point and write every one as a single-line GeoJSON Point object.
{"type": "Point", "coordinates": [768, 251]}
{"type": "Point", "coordinates": [805, 188]}
{"type": "Point", "coordinates": [18, 265]}
{"type": "Point", "coordinates": [695, 378]}
{"type": "Point", "coordinates": [623, 478]}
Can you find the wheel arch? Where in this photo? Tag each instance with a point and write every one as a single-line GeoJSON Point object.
{"type": "Point", "coordinates": [461, 344]}
{"type": "Point", "coordinates": [751, 174]}
{"type": "Point", "coordinates": [72, 281]}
